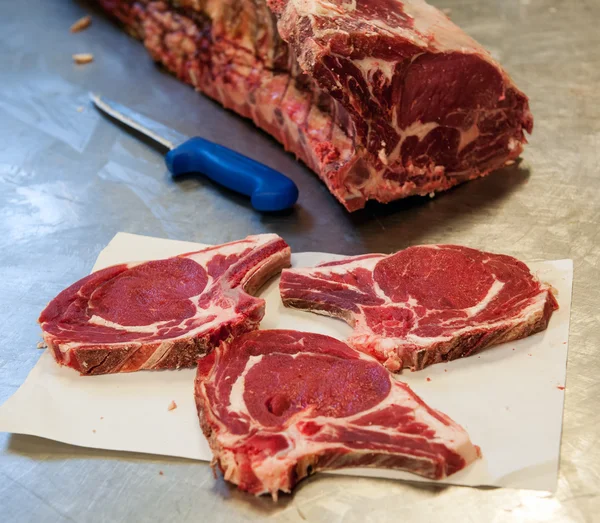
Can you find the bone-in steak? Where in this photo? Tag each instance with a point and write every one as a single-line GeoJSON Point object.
{"type": "Point", "coordinates": [381, 98]}
{"type": "Point", "coordinates": [278, 405]}
{"type": "Point", "coordinates": [425, 304]}
{"type": "Point", "coordinates": [162, 314]}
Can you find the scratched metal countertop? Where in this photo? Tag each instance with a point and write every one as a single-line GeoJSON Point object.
{"type": "Point", "coordinates": [70, 179]}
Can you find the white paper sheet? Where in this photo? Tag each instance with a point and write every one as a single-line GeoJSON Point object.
{"type": "Point", "coordinates": [509, 398]}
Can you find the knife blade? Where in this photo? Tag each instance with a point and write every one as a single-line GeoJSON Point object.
{"type": "Point", "coordinates": [268, 189]}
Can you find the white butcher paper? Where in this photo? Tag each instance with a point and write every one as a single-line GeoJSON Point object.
{"type": "Point", "coordinates": [509, 398]}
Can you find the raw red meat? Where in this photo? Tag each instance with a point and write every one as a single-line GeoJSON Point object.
{"type": "Point", "coordinates": [278, 405]}
{"type": "Point", "coordinates": [425, 304]}
{"type": "Point", "coordinates": [381, 98]}
{"type": "Point", "coordinates": [162, 314]}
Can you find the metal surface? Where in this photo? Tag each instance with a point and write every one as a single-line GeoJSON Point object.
{"type": "Point", "coordinates": [154, 130]}
{"type": "Point", "coordinates": [70, 179]}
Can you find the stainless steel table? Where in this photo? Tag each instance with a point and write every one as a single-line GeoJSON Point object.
{"type": "Point", "coordinates": [70, 180]}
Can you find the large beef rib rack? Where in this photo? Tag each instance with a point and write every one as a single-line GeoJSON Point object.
{"type": "Point", "coordinates": [426, 304]}
{"type": "Point", "coordinates": [162, 314]}
{"type": "Point", "coordinates": [383, 99]}
{"type": "Point", "coordinates": [278, 405]}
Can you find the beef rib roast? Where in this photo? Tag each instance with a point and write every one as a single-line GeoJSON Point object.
{"type": "Point", "coordinates": [278, 405]}
{"type": "Point", "coordinates": [162, 314]}
{"type": "Point", "coordinates": [383, 99]}
{"type": "Point", "coordinates": [425, 304]}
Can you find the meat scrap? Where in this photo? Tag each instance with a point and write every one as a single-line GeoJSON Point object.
{"type": "Point", "coordinates": [425, 304]}
{"type": "Point", "coordinates": [83, 58]}
{"type": "Point", "coordinates": [162, 314]}
{"type": "Point", "coordinates": [279, 405]}
{"type": "Point", "coordinates": [382, 100]}
{"type": "Point", "coordinates": [81, 24]}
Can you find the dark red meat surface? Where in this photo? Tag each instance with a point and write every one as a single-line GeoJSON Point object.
{"type": "Point", "coordinates": [425, 304]}
{"type": "Point", "coordinates": [162, 314]}
{"type": "Point", "coordinates": [382, 99]}
{"type": "Point", "coordinates": [278, 405]}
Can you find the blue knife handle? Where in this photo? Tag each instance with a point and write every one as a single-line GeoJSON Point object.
{"type": "Point", "coordinates": [269, 190]}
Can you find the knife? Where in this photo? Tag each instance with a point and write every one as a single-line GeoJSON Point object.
{"type": "Point", "coordinates": [268, 189]}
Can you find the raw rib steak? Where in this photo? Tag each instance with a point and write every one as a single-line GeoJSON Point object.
{"type": "Point", "coordinates": [162, 314]}
{"type": "Point", "coordinates": [381, 98]}
{"type": "Point", "coordinates": [425, 304]}
{"type": "Point", "coordinates": [278, 405]}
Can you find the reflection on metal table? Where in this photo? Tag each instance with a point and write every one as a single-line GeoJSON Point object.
{"type": "Point", "coordinates": [70, 180]}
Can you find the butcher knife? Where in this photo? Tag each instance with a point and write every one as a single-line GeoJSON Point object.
{"type": "Point", "coordinates": [268, 189]}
